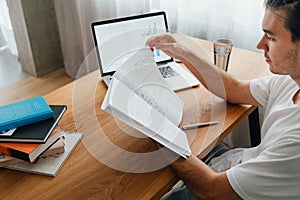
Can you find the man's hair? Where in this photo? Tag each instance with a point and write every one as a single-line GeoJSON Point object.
{"type": "Point", "coordinates": [292, 17]}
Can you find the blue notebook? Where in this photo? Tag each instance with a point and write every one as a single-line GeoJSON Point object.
{"type": "Point", "coordinates": [24, 112]}
{"type": "Point", "coordinates": [37, 132]}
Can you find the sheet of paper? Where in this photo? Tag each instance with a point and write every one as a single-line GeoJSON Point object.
{"type": "Point", "coordinates": [141, 75]}
{"type": "Point", "coordinates": [8, 133]}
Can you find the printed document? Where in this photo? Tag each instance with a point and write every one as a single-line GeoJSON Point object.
{"type": "Point", "coordinates": [139, 96]}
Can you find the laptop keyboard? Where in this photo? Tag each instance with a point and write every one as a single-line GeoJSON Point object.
{"type": "Point", "coordinates": [167, 71]}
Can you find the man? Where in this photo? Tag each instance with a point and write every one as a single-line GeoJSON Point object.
{"type": "Point", "coordinates": [271, 170]}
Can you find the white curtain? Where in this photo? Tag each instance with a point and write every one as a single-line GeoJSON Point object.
{"type": "Point", "coordinates": [7, 38]}
{"type": "Point", "coordinates": [74, 20]}
{"type": "Point", "coordinates": [239, 20]}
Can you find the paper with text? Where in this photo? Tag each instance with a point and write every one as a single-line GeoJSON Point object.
{"type": "Point", "coordinates": [139, 96]}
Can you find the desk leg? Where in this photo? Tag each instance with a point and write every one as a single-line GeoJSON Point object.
{"type": "Point", "coordinates": [254, 127]}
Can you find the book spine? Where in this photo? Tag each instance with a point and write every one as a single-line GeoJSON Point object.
{"type": "Point", "coordinates": [15, 153]}
{"type": "Point", "coordinates": [24, 112]}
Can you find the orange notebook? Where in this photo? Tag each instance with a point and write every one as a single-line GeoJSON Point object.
{"type": "Point", "coordinates": [28, 151]}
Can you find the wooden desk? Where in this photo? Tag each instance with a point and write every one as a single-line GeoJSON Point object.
{"type": "Point", "coordinates": [85, 177]}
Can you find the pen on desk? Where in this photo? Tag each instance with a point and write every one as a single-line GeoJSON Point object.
{"type": "Point", "coordinates": [198, 125]}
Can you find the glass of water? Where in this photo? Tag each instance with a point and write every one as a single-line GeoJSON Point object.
{"type": "Point", "coordinates": [222, 50]}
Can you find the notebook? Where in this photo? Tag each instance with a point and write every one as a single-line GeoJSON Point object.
{"type": "Point", "coordinates": [37, 132]}
{"type": "Point", "coordinates": [116, 40]}
{"type": "Point", "coordinates": [51, 165]}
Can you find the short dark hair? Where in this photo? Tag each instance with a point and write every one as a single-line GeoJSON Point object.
{"type": "Point", "coordinates": [292, 18]}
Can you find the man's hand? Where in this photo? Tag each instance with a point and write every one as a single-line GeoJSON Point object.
{"type": "Point", "coordinates": [156, 41]}
{"type": "Point", "coordinates": [170, 44]}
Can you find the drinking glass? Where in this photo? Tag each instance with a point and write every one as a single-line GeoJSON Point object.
{"type": "Point", "coordinates": [222, 50]}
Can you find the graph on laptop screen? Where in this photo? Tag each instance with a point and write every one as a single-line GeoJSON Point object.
{"type": "Point", "coordinates": [119, 39]}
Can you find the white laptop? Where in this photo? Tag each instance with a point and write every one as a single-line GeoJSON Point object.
{"type": "Point", "coordinates": [118, 39]}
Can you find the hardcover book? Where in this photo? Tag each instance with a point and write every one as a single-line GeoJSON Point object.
{"type": "Point", "coordinates": [51, 165]}
{"type": "Point", "coordinates": [28, 151]}
{"type": "Point", "coordinates": [57, 148]}
{"type": "Point", "coordinates": [24, 112]}
{"type": "Point", "coordinates": [54, 150]}
{"type": "Point", "coordinates": [139, 96]}
{"type": "Point", "coordinates": [37, 132]}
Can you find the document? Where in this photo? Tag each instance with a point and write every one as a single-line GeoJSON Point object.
{"type": "Point", "coordinates": [139, 96]}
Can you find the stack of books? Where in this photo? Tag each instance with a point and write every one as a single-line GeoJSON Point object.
{"type": "Point", "coordinates": [30, 137]}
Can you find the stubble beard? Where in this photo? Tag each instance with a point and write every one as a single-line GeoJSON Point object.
{"type": "Point", "coordinates": [292, 67]}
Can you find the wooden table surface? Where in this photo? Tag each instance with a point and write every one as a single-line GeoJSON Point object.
{"type": "Point", "coordinates": [113, 161]}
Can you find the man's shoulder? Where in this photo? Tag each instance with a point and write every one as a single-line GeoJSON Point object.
{"type": "Point", "coordinates": [276, 77]}
{"type": "Point", "coordinates": [275, 81]}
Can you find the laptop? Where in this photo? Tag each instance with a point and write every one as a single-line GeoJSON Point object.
{"type": "Point", "coordinates": [116, 40]}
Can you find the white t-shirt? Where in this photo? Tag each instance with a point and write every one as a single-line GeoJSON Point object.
{"type": "Point", "coordinates": [272, 169]}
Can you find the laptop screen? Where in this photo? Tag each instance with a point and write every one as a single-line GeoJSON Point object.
{"type": "Point", "coordinates": [116, 40]}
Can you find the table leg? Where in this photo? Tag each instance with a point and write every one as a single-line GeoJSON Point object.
{"type": "Point", "coordinates": [254, 127]}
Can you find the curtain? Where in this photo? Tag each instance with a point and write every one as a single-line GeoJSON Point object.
{"type": "Point", "coordinates": [7, 38]}
{"type": "Point", "coordinates": [74, 22]}
{"type": "Point", "coordinates": [211, 19]}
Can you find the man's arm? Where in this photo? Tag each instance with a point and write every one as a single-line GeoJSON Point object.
{"type": "Point", "coordinates": [203, 182]}
{"type": "Point", "coordinates": [218, 81]}
{"type": "Point", "coordinates": [214, 79]}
